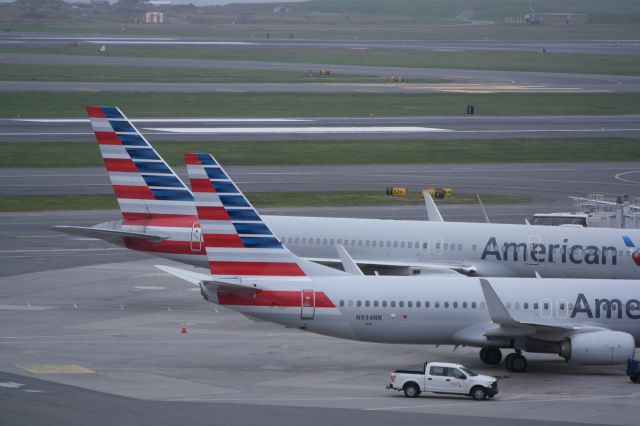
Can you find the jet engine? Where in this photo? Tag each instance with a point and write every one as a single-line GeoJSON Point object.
{"type": "Point", "coordinates": [598, 347]}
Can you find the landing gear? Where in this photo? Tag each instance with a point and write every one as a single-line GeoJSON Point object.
{"type": "Point", "coordinates": [491, 356]}
{"type": "Point", "coordinates": [516, 363]}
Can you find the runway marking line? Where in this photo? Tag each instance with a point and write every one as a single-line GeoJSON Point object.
{"type": "Point", "coordinates": [55, 369]}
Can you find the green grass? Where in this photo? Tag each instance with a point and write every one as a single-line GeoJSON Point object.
{"type": "Point", "coordinates": [500, 61]}
{"type": "Point", "coordinates": [16, 203]}
{"type": "Point", "coordinates": [71, 104]}
{"type": "Point", "coordinates": [77, 154]}
{"type": "Point", "coordinates": [175, 75]}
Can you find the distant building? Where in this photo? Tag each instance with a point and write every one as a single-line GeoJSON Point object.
{"type": "Point", "coordinates": [280, 9]}
{"type": "Point", "coordinates": [556, 18]}
{"type": "Point", "coordinates": [153, 18]}
{"type": "Point", "coordinates": [160, 2]}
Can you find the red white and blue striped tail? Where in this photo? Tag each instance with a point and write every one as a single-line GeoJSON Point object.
{"type": "Point", "coordinates": [145, 185]}
{"type": "Point", "coordinates": [238, 242]}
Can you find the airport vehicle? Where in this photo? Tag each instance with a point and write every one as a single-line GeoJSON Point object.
{"type": "Point", "coordinates": [159, 217]}
{"type": "Point", "coordinates": [596, 210]}
{"type": "Point", "coordinates": [252, 272]}
{"type": "Point", "coordinates": [442, 377]}
{"type": "Point", "coordinates": [633, 370]}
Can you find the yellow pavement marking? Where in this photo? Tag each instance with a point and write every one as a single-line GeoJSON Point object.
{"type": "Point", "coordinates": [55, 369]}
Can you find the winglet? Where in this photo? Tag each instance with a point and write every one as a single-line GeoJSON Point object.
{"type": "Point", "coordinates": [497, 311]}
{"type": "Point", "coordinates": [347, 261]}
{"type": "Point", "coordinates": [433, 214]}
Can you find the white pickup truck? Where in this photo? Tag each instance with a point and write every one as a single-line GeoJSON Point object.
{"type": "Point", "coordinates": [441, 377]}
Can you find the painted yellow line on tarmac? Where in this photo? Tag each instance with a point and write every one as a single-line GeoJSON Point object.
{"type": "Point", "coordinates": [55, 369]}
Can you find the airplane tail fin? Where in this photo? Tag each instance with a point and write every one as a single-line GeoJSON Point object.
{"type": "Point", "coordinates": [238, 242]}
{"type": "Point", "coordinates": [145, 185]}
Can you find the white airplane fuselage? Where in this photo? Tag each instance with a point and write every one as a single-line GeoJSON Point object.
{"type": "Point", "coordinates": [497, 250]}
{"type": "Point", "coordinates": [431, 310]}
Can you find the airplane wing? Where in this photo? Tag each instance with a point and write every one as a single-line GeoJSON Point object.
{"type": "Point", "coordinates": [510, 328]}
{"type": "Point", "coordinates": [109, 235]}
{"type": "Point", "coordinates": [425, 267]}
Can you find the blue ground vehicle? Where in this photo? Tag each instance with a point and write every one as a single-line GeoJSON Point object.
{"type": "Point", "coordinates": [633, 370]}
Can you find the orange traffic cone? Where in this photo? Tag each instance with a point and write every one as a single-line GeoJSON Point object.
{"type": "Point", "coordinates": [183, 330]}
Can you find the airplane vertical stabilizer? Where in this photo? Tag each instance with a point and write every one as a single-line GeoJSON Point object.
{"type": "Point", "coordinates": [237, 241]}
{"type": "Point", "coordinates": [145, 185]}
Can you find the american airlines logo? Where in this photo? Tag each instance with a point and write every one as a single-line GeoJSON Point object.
{"type": "Point", "coordinates": [606, 308]}
{"type": "Point", "coordinates": [551, 253]}
{"type": "Point", "coordinates": [636, 254]}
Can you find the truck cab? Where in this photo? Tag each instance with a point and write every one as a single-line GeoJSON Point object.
{"type": "Point", "coordinates": [443, 378]}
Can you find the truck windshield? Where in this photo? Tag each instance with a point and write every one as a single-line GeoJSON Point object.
{"type": "Point", "coordinates": [469, 372]}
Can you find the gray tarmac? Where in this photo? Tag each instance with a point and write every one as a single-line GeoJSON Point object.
{"type": "Point", "coordinates": [471, 81]}
{"type": "Point", "coordinates": [334, 128]}
{"type": "Point", "coordinates": [81, 343]}
{"type": "Point", "coordinates": [539, 181]}
{"type": "Point", "coordinates": [600, 47]}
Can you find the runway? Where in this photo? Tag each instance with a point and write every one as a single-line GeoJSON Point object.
{"type": "Point", "coordinates": [327, 128]}
{"type": "Point", "coordinates": [599, 47]}
{"type": "Point", "coordinates": [105, 340]}
{"type": "Point", "coordinates": [471, 81]}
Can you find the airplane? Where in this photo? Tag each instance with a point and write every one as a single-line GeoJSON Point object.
{"type": "Point", "coordinates": [159, 217]}
{"type": "Point", "coordinates": [592, 322]}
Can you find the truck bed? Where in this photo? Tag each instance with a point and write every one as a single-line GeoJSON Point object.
{"type": "Point", "coordinates": [409, 372]}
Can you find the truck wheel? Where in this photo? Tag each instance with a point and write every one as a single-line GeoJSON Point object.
{"type": "Point", "coordinates": [411, 390]}
{"type": "Point", "coordinates": [478, 393]}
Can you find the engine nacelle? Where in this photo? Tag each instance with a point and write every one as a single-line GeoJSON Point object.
{"type": "Point", "coordinates": [599, 347]}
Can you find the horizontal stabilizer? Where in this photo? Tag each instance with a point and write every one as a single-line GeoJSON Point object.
{"type": "Point", "coordinates": [194, 278]}
{"type": "Point", "coordinates": [110, 235]}
{"type": "Point", "coordinates": [209, 283]}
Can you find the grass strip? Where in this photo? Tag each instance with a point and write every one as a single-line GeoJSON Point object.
{"type": "Point", "coordinates": [83, 154]}
{"type": "Point", "coordinates": [17, 203]}
{"type": "Point", "coordinates": [71, 104]}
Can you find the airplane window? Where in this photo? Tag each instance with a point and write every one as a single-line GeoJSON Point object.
{"type": "Point", "coordinates": [317, 240]}
{"type": "Point", "coordinates": [446, 246]}
{"type": "Point", "coordinates": [426, 304]}
{"type": "Point", "coordinates": [621, 253]}
{"type": "Point", "coordinates": [367, 303]}
{"type": "Point", "coordinates": [417, 304]}
{"type": "Point", "coordinates": [350, 303]}
{"type": "Point", "coordinates": [459, 246]}
{"type": "Point", "coordinates": [571, 306]}
{"type": "Point", "coordinates": [526, 305]}
{"type": "Point", "coordinates": [410, 244]}
{"type": "Point", "coordinates": [401, 304]}
{"type": "Point", "coordinates": [375, 303]}
{"type": "Point", "coordinates": [374, 243]}
{"type": "Point", "coordinates": [473, 305]}
{"type": "Point", "coordinates": [358, 303]}
{"type": "Point", "coordinates": [546, 306]}
{"type": "Point", "coordinates": [388, 243]}
{"type": "Point", "coordinates": [425, 245]}
{"type": "Point", "coordinates": [331, 241]}
{"type": "Point", "coordinates": [517, 305]}
{"type": "Point", "coordinates": [455, 304]}
{"type": "Point", "coordinates": [446, 304]}
{"type": "Point", "coordinates": [474, 247]}
{"type": "Point", "coordinates": [409, 304]}
{"type": "Point", "coordinates": [304, 240]}
{"type": "Point", "coordinates": [464, 305]}
{"type": "Point", "coordinates": [508, 305]}
{"type": "Point", "coordinates": [342, 303]}
{"type": "Point", "coordinates": [482, 305]}
{"type": "Point", "coordinates": [436, 304]}
{"type": "Point", "coordinates": [324, 241]}
{"type": "Point", "coordinates": [297, 240]}
{"type": "Point", "coordinates": [393, 303]}
{"type": "Point", "coordinates": [562, 306]}
{"type": "Point", "coordinates": [339, 241]}
{"type": "Point", "coordinates": [535, 306]}
{"type": "Point", "coordinates": [613, 307]}
{"type": "Point", "coordinates": [384, 303]}
{"type": "Point", "coordinates": [417, 245]}
{"type": "Point", "coordinates": [368, 243]}
{"type": "Point", "coordinates": [437, 246]}
{"type": "Point", "coordinates": [353, 242]}
{"type": "Point", "coordinates": [360, 243]}
{"type": "Point", "coordinates": [402, 244]}
{"type": "Point", "coordinates": [395, 244]}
